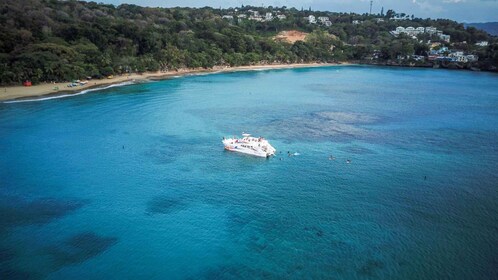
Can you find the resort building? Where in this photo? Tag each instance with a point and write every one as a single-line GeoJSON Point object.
{"type": "Point", "coordinates": [413, 32]}
{"type": "Point", "coordinates": [431, 30]}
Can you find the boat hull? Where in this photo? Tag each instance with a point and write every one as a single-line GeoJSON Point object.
{"type": "Point", "coordinates": [258, 147]}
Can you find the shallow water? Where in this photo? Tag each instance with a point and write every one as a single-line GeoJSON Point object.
{"type": "Point", "coordinates": [132, 182]}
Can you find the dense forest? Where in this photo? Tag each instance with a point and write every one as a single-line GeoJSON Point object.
{"type": "Point", "coordinates": [50, 40]}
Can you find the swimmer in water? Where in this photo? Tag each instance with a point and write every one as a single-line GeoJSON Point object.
{"type": "Point", "coordinates": [348, 161]}
{"type": "Point", "coordinates": [331, 157]}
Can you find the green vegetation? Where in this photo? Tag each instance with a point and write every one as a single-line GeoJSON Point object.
{"type": "Point", "coordinates": [50, 40]}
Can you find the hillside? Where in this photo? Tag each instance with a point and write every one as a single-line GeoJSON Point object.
{"type": "Point", "coordinates": [50, 40]}
{"type": "Point", "coordinates": [490, 27]}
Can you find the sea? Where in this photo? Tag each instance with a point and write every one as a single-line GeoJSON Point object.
{"type": "Point", "coordinates": [380, 173]}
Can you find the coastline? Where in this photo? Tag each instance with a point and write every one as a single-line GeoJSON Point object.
{"type": "Point", "coordinates": [19, 93]}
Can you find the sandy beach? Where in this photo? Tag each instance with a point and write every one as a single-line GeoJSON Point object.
{"type": "Point", "coordinates": [39, 90]}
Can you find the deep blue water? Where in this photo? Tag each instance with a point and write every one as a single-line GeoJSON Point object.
{"type": "Point", "coordinates": [132, 182]}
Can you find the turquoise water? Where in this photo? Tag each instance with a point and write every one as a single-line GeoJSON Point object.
{"type": "Point", "coordinates": [132, 182]}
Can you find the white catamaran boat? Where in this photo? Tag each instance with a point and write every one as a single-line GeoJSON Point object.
{"type": "Point", "coordinates": [249, 145]}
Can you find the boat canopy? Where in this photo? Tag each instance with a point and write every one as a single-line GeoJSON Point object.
{"type": "Point", "coordinates": [246, 134]}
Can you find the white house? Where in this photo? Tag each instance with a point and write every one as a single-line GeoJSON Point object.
{"type": "Point", "coordinates": [323, 19]}
{"type": "Point", "coordinates": [311, 19]}
{"type": "Point", "coordinates": [229, 17]}
{"type": "Point", "coordinates": [327, 23]}
{"type": "Point", "coordinates": [430, 30]}
{"type": "Point", "coordinates": [400, 29]}
{"type": "Point", "coordinates": [420, 30]}
{"type": "Point", "coordinates": [356, 21]}
{"type": "Point", "coordinates": [254, 13]}
{"type": "Point", "coordinates": [461, 58]}
{"type": "Point", "coordinates": [268, 17]}
{"type": "Point", "coordinates": [281, 17]}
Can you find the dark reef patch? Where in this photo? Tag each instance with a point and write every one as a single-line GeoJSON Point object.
{"type": "Point", "coordinates": [356, 149]}
{"type": "Point", "coordinates": [6, 254]}
{"type": "Point", "coordinates": [340, 126]}
{"type": "Point", "coordinates": [165, 204]}
{"type": "Point", "coordinates": [15, 211]}
{"type": "Point", "coordinates": [13, 274]}
{"type": "Point", "coordinates": [161, 155]}
{"type": "Point", "coordinates": [80, 248]}
{"type": "Point", "coordinates": [371, 267]}
{"type": "Point", "coordinates": [318, 232]}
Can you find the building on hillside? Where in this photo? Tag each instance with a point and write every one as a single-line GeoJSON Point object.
{"type": "Point", "coordinates": [445, 37]}
{"type": "Point", "coordinates": [323, 19]}
{"type": "Point", "coordinates": [268, 17]}
{"type": "Point", "coordinates": [255, 18]}
{"type": "Point", "coordinates": [431, 30]}
{"type": "Point", "coordinates": [482, 44]}
{"type": "Point", "coordinates": [472, 57]}
{"type": "Point", "coordinates": [418, 57]}
{"type": "Point", "coordinates": [456, 53]}
{"type": "Point", "coordinates": [414, 32]}
{"type": "Point", "coordinates": [356, 21]}
{"type": "Point", "coordinates": [281, 17]}
{"type": "Point", "coordinates": [311, 19]}
{"type": "Point", "coordinates": [229, 17]}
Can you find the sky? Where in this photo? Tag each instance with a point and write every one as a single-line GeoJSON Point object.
{"type": "Point", "coordinates": [459, 10]}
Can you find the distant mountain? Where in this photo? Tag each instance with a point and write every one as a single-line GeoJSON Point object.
{"type": "Point", "coordinates": [490, 27]}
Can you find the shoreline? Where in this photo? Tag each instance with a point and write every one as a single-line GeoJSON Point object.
{"type": "Point", "coordinates": [46, 90]}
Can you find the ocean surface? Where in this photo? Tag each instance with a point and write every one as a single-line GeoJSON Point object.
{"type": "Point", "coordinates": [132, 182]}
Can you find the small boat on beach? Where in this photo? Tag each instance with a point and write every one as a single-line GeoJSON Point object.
{"type": "Point", "coordinates": [255, 146]}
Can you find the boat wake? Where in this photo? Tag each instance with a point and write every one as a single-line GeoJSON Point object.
{"type": "Point", "coordinates": [69, 94]}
